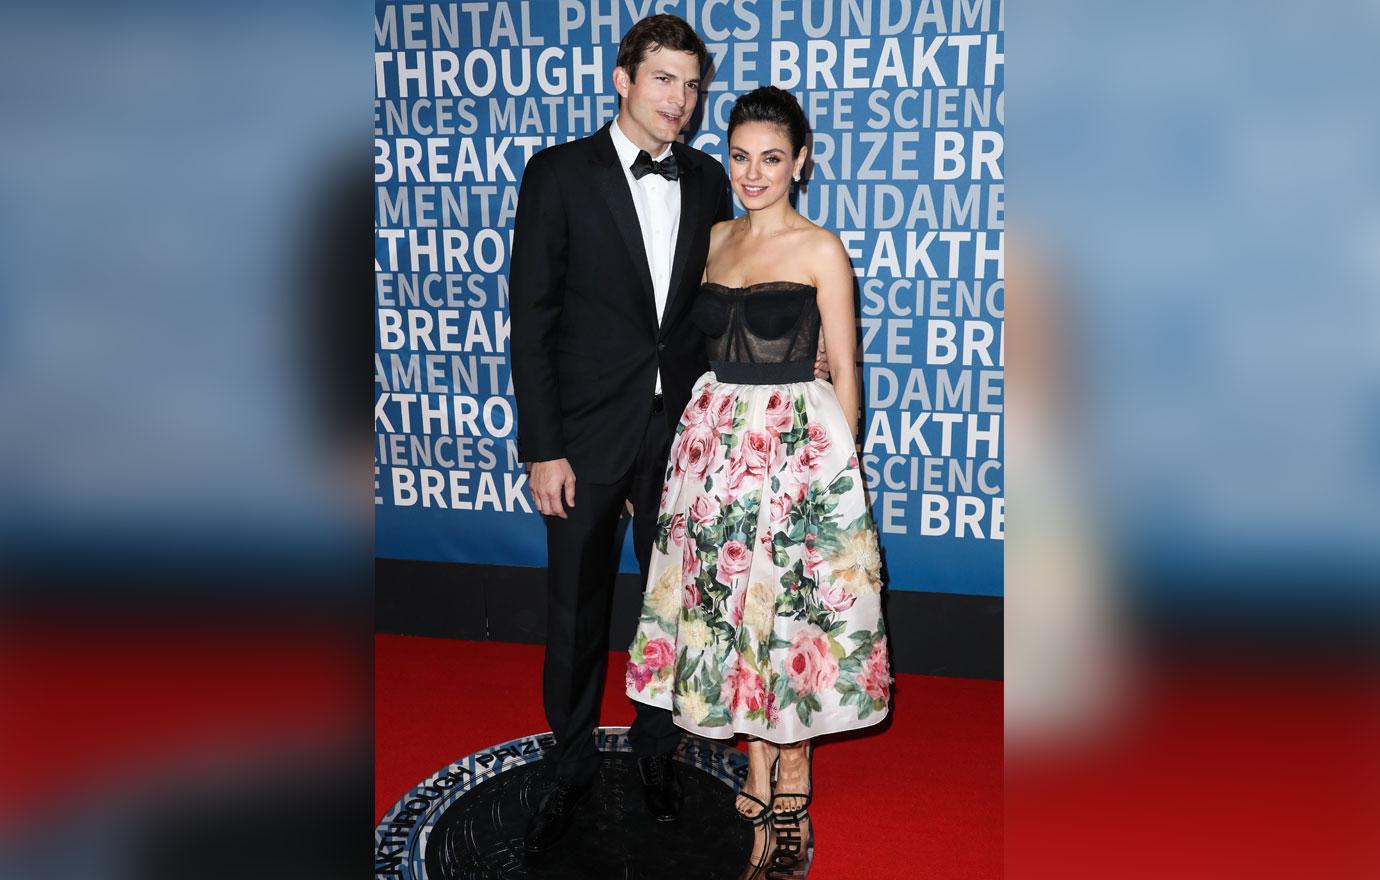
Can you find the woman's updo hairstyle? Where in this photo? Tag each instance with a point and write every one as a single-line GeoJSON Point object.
{"type": "Point", "coordinates": [776, 106]}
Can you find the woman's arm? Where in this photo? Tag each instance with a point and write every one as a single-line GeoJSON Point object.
{"type": "Point", "coordinates": [834, 283]}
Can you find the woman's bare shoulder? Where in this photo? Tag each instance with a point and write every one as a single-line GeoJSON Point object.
{"type": "Point", "coordinates": [820, 248]}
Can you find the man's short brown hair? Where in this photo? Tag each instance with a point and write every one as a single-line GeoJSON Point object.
{"type": "Point", "coordinates": [659, 32]}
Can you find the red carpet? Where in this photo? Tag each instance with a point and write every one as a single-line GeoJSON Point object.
{"type": "Point", "coordinates": [100, 707]}
{"type": "Point", "coordinates": [920, 796]}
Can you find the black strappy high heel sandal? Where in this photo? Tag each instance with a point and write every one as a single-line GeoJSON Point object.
{"type": "Point", "coordinates": [763, 818]}
{"type": "Point", "coordinates": [799, 812]}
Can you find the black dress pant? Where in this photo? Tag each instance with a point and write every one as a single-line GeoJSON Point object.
{"type": "Point", "coordinates": [582, 561]}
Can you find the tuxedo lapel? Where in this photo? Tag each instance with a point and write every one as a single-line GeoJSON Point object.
{"type": "Point", "coordinates": [690, 183]}
{"type": "Point", "coordinates": [613, 186]}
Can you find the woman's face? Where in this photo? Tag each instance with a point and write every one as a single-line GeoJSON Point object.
{"type": "Point", "coordinates": [760, 164]}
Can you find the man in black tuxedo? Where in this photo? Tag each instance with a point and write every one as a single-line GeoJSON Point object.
{"type": "Point", "coordinates": [609, 247]}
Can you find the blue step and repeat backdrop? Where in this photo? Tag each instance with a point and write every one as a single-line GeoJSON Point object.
{"type": "Point", "coordinates": [906, 100]}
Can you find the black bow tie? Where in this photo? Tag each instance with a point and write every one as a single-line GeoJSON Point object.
{"type": "Point", "coordinates": [644, 165]}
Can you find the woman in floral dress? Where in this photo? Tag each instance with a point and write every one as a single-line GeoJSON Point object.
{"type": "Point", "coordinates": [762, 614]}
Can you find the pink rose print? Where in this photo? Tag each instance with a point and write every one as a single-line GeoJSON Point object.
{"type": "Point", "coordinates": [665, 488]}
{"type": "Point", "coordinates": [735, 475]}
{"type": "Point", "coordinates": [698, 411]}
{"type": "Point", "coordinates": [773, 714]}
{"type": "Point", "coordinates": [794, 485]}
{"type": "Point", "coordinates": [875, 677]}
{"type": "Point", "coordinates": [678, 529]}
{"type": "Point", "coordinates": [659, 653]}
{"type": "Point", "coordinates": [735, 611]}
{"type": "Point", "coordinates": [809, 664]}
{"type": "Point", "coordinates": [638, 676]}
{"type": "Point", "coordinates": [819, 438]}
{"type": "Point", "coordinates": [812, 558]}
{"type": "Point", "coordinates": [833, 596]}
{"type": "Point", "coordinates": [691, 595]}
{"type": "Point", "coordinates": [805, 463]}
{"type": "Point", "coordinates": [720, 416]}
{"type": "Point", "coordinates": [699, 448]}
{"type": "Point", "coordinates": [742, 689]}
{"type": "Point", "coordinates": [761, 450]}
{"type": "Point", "coordinates": [704, 510]}
{"type": "Point", "coordinates": [689, 560]}
{"type": "Point", "coordinates": [780, 415]}
{"type": "Point", "coordinates": [734, 559]}
{"type": "Point", "coordinates": [780, 508]}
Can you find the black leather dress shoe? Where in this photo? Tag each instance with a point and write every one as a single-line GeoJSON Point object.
{"type": "Point", "coordinates": [553, 817]}
{"type": "Point", "coordinates": [660, 786]}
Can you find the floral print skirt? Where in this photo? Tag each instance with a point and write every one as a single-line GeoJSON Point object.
{"type": "Point", "coordinates": [762, 613]}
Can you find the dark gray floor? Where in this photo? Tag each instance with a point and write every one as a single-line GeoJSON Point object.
{"type": "Point", "coordinates": [613, 837]}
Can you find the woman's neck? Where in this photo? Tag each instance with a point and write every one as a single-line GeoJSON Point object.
{"type": "Point", "coordinates": [771, 220]}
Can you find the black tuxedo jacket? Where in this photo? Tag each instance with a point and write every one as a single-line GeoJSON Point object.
{"type": "Point", "coordinates": [585, 340]}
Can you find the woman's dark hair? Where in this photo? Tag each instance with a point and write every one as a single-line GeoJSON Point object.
{"type": "Point", "coordinates": [659, 32]}
{"type": "Point", "coordinates": [773, 105]}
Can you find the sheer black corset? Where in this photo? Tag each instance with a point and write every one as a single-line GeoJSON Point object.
{"type": "Point", "coordinates": [762, 334]}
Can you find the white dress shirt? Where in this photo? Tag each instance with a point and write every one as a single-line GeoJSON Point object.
{"type": "Point", "coordinates": [657, 201]}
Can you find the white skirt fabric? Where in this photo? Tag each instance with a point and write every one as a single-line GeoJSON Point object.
{"type": "Point", "coordinates": [762, 613]}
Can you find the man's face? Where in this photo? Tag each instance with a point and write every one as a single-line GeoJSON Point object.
{"type": "Point", "coordinates": [658, 104]}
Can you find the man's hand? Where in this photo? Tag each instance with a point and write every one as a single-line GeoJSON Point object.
{"type": "Point", "coordinates": [552, 481]}
{"type": "Point", "coordinates": [821, 360]}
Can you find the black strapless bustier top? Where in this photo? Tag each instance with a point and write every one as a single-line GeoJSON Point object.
{"type": "Point", "coordinates": [762, 334]}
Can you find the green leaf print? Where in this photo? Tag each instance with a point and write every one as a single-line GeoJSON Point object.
{"type": "Point", "coordinates": [829, 539]}
{"type": "Point", "coordinates": [791, 604]}
{"type": "Point", "coordinates": [714, 534]}
{"type": "Point", "coordinates": [779, 557]}
{"type": "Point", "coordinates": [862, 522]}
{"type": "Point", "coordinates": [686, 667]}
{"type": "Point", "coordinates": [814, 614]}
{"type": "Point", "coordinates": [724, 631]}
{"type": "Point", "coordinates": [836, 649]}
{"type": "Point", "coordinates": [841, 485]}
{"type": "Point", "coordinates": [757, 659]}
{"type": "Point", "coordinates": [804, 711]}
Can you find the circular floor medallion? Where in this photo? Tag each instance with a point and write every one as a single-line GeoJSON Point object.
{"type": "Point", "coordinates": [466, 820]}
